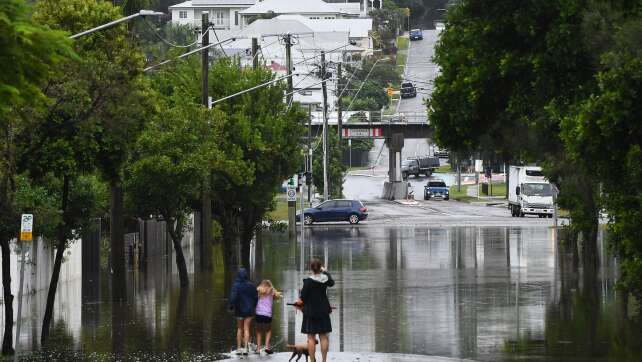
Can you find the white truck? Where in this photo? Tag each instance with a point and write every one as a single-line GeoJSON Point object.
{"type": "Point", "coordinates": [529, 192]}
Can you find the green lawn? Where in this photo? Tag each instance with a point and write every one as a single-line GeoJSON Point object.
{"type": "Point", "coordinates": [402, 43]}
{"type": "Point", "coordinates": [280, 212]}
{"type": "Point", "coordinates": [463, 195]}
{"type": "Point", "coordinates": [498, 189]}
{"type": "Point", "coordinates": [444, 168]}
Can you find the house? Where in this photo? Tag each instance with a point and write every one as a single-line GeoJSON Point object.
{"type": "Point", "coordinates": [358, 29]}
{"type": "Point", "coordinates": [223, 14]}
{"type": "Point", "coordinates": [235, 14]}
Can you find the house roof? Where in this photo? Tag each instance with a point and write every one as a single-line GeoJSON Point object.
{"type": "Point", "coordinates": [191, 4]}
{"type": "Point", "coordinates": [291, 7]}
{"type": "Point", "coordinates": [357, 28]}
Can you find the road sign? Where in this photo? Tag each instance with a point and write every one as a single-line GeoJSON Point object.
{"type": "Point", "coordinates": [291, 195]}
{"type": "Point", "coordinates": [362, 133]}
{"type": "Point", "coordinates": [26, 227]}
{"type": "Point", "coordinates": [390, 91]}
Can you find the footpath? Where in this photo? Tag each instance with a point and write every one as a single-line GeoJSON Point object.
{"type": "Point", "coordinates": [355, 357]}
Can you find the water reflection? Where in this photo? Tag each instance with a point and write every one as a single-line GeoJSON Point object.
{"type": "Point", "coordinates": [480, 293]}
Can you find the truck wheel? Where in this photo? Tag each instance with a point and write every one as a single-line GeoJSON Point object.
{"type": "Point", "coordinates": [404, 175]}
{"type": "Point", "coordinates": [512, 210]}
{"type": "Point", "coordinates": [521, 214]}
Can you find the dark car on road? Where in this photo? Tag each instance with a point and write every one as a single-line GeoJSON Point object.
{"type": "Point", "coordinates": [351, 211]}
{"type": "Point", "coordinates": [408, 90]}
{"type": "Point", "coordinates": [436, 188]}
{"type": "Point", "coordinates": [416, 34]}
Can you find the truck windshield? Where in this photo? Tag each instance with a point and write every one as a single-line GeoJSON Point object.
{"type": "Point", "coordinates": [537, 190]}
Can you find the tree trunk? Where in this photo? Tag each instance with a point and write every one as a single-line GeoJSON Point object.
{"type": "Point", "coordinates": [55, 276]}
{"type": "Point", "coordinates": [7, 342]}
{"type": "Point", "coordinates": [175, 228]}
{"type": "Point", "coordinates": [117, 230]}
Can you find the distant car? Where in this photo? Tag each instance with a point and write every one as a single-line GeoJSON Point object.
{"type": "Point", "coordinates": [351, 211]}
{"type": "Point", "coordinates": [408, 90]}
{"type": "Point", "coordinates": [409, 167]}
{"type": "Point", "coordinates": [416, 34]}
{"type": "Point", "coordinates": [436, 188]}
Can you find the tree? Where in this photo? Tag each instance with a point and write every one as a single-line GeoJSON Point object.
{"type": "Point", "coordinates": [267, 133]}
{"type": "Point", "coordinates": [175, 152]}
{"type": "Point", "coordinates": [29, 54]}
{"type": "Point", "coordinates": [336, 168]}
{"type": "Point", "coordinates": [509, 73]}
{"type": "Point", "coordinates": [108, 80]}
{"type": "Point", "coordinates": [604, 135]}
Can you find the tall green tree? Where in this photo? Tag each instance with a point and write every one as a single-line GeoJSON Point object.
{"type": "Point", "coordinates": [175, 152]}
{"type": "Point", "coordinates": [109, 85]}
{"type": "Point", "coordinates": [605, 134]}
{"type": "Point", "coordinates": [510, 71]}
{"type": "Point", "coordinates": [268, 135]}
{"type": "Point", "coordinates": [29, 55]}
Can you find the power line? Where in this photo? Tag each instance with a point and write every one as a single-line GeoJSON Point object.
{"type": "Point", "coordinates": [165, 40]}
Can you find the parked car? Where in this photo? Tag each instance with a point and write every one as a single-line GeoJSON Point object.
{"type": "Point", "coordinates": [351, 211]}
{"type": "Point", "coordinates": [408, 90]}
{"type": "Point", "coordinates": [436, 188]}
{"type": "Point", "coordinates": [416, 34]}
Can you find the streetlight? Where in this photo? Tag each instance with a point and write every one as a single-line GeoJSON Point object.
{"type": "Point", "coordinates": [118, 21]}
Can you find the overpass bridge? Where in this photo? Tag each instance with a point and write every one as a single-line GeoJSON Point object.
{"type": "Point", "coordinates": [376, 125]}
{"type": "Point", "coordinates": [393, 128]}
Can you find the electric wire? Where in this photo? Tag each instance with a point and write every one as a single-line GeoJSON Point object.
{"type": "Point", "coordinates": [220, 45]}
{"type": "Point", "coordinates": [157, 34]}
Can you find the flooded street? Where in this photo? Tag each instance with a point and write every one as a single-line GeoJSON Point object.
{"type": "Point", "coordinates": [481, 293]}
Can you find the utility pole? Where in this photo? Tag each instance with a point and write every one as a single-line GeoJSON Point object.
{"type": "Point", "coordinates": [255, 51]}
{"type": "Point", "coordinates": [206, 200]}
{"type": "Point", "coordinates": [325, 128]}
{"type": "Point", "coordinates": [308, 179]}
{"type": "Point", "coordinates": [287, 38]}
{"type": "Point", "coordinates": [339, 105]}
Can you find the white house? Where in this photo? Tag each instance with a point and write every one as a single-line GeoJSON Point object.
{"type": "Point", "coordinates": [223, 14]}
{"type": "Point", "coordinates": [235, 14]}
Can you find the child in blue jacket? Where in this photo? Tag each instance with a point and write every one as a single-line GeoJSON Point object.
{"type": "Point", "coordinates": [243, 300]}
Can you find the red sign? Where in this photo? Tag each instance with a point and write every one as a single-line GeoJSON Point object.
{"type": "Point", "coordinates": [362, 133]}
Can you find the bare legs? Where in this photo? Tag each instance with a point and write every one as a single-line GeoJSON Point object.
{"type": "Point", "coordinates": [268, 335]}
{"type": "Point", "coordinates": [259, 336]}
{"type": "Point", "coordinates": [246, 331]}
{"type": "Point", "coordinates": [312, 347]}
{"type": "Point", "coordinates": [260, 330]}
{"type": "Point", "coordinates": [239, 333]}
{"type": "Point", "coordinates": [325, 343]}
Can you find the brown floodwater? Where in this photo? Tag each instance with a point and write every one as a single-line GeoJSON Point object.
{"type": "Point", "coordinates": [483, 293]}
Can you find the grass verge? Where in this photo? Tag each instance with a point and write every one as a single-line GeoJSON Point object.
{"type": "Point", "coordinates": [498, 190]}
{"type": "Point", "coordinates": [402, 43]}
{"type": "Point", "coordinates": [444, 168]}
{"type": "Point", "coordinates": [280, 211]}
{"type": "Point", "coordinates": [461, 195]}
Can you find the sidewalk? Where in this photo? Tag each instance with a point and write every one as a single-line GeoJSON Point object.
{"type": "Point", "coordinates": [355, 357]}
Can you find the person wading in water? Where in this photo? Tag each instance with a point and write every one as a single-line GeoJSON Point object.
{"type": "Point", "coordinates": [316, 308]}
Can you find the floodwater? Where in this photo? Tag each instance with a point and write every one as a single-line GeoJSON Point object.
{"type": "Point", "coordinates": [488, 294]}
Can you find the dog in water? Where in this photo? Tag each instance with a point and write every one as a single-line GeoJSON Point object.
{"type": "Point", "coordinates": [299, 350]}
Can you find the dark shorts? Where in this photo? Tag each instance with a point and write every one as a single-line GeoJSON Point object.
{"type": "Point", "coordinates": [261, 319]}
{"type": "Point", "coordinates": [316, 325]}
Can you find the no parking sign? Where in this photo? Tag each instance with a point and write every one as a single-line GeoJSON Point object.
{"type": "Point", "coordinates": [291, 194]}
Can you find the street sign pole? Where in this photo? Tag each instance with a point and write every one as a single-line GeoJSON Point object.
{"type": "Point", "coordinates": [26, 234]}
{"type": "Point", "coordinates": [291, 208]}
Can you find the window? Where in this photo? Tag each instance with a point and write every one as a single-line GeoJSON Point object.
{"type": "Point", "coordinates": [314, 17]}
{"type": "Point", "coordinates": [344, 204]}
{"type": "Point", "coordinates": [236, 18]}
{"type": "Point", "coordinates": [182, 14]}
{"type": "Point", "coordinates": [219, 18]}
{"type": "Point", "coordinates": [328, 205]}
{"type": "Point", "coordinates": [329, 17]}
